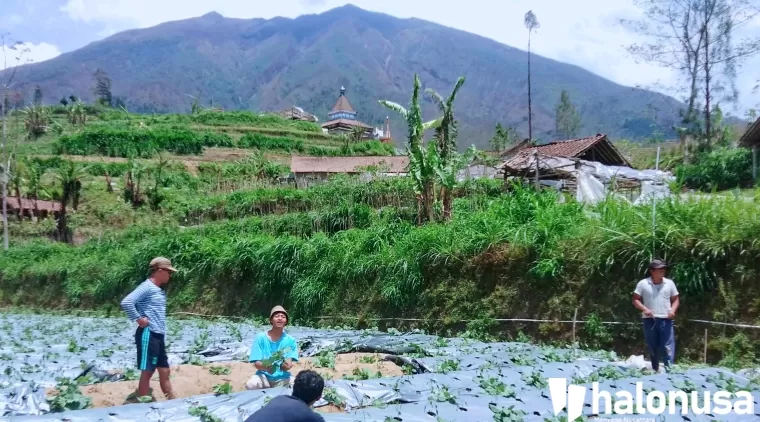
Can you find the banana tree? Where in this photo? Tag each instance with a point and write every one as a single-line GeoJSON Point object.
{"type": "Point", "coordinates": [446, 137]}
{"type": "Point", "coordinates": [421, 159]}
{"type": "Point", "coordinates": [70, 174]}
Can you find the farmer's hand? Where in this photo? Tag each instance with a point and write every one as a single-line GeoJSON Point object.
{"type": "Point", "coordinates": [142, 322]}
{"type": "Point", "coordinates": [648, 312]}
{"type": "Point", "coordinates": [671, 315]}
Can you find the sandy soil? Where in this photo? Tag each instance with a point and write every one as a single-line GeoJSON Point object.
{"type": "Point", "coordinates": [190, 380]}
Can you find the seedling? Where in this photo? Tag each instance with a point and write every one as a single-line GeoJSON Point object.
{"type": "Point", "coordinates": [222, 389]}
{"type": "Point", "coordinates": [449, 365]}
{"type": "Point", "coordinates": [69, 397]}
{"type": "Point", "coordinates": [495, 387]}
{"type": "Point", "coordinates": [203, 413]}
{"type": "Point", "coordinates": [535, 379]}
{"type": "Point", "coordinates": [367, 359]}
{"type": "Point", "coordinates": [325, 360]}
{"type": "Point", "coordinates": [508, 414]}
{"type": "Point", "coordinates": [331, 396]}
{"type": "Point", "coordinates": [443, 395]}
{"type": "Point", "coordinates": [219, 370]}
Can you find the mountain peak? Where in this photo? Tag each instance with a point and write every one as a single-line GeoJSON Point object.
{"type": "Point", "coordinates": [212, 15]}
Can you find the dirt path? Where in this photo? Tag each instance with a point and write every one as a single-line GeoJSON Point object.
{"type": "Point", "coordinates": [190, 380]}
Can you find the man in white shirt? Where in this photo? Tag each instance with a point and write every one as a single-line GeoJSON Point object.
{"type": "Point", "coordinates": [657, 299]}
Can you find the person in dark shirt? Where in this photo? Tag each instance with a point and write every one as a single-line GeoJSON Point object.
{"type": "Point", "coordinates": [307, 390]}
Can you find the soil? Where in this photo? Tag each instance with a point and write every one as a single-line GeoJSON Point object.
{"type": "Point", "coordinates": [191, 380]}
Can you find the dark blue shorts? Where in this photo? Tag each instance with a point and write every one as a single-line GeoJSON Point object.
{"type": "Point", "coordinates": [151, 350]}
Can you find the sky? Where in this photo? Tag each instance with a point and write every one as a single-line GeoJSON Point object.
{"type": "Point", "coordinates": [586, 33]}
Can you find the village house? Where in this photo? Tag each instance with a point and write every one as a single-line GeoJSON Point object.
{"type": "Point", "coordinates": [309, 170]}
{"type": "Point", "coordinates": [297, 113]}
{"type": "Point", "coordinates": [32, 208]}
{"type": "Point", "coordinates": [751, 139]}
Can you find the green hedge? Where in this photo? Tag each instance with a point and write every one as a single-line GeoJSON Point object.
{"type": "Point", "coordinates": [143, 143]}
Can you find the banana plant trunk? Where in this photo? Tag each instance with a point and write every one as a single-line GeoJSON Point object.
{"type": "Point", "coordinates": [428, 198]}
{"type": "Point", "coordinates": [446, 199]}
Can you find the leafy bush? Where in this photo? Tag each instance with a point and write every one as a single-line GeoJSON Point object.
{"type": "Point", "coordinates": [720, 169]}
{"type": "Point", "coordinates": [263, 142]}
{"type": "Point", "coordinates": [239, 118]}
{"type": "Point", "coordinates": [142, 143]}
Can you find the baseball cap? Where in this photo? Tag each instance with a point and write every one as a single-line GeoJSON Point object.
{"type": "Point", "coordinates": [657, 263]}
{"type": "Point", "coordinates": [162, 263]}
{"type": "Point", "coordinates": [277, 309]}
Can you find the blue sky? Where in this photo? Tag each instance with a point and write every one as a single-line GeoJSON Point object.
{"type": "Point", "coordinates": [581, 32]}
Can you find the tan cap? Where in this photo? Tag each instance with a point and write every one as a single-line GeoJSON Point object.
{"type": "Point", "coordinates": [278, 309]}
{"type": "Point", "coordinates": [162, 263]}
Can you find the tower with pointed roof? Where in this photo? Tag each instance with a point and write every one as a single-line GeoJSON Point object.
{"type": "Point", "coordinates": [342, 118]}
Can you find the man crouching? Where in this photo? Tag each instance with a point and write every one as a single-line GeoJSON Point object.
{"type": "Point", "coordinates": [274, 353]}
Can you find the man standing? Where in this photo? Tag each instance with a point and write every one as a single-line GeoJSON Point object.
{"type": "Point", "coordinates": [146, 306]}
{"type": "Point", "coordinates": [307, 390]}
{"type": "Point", "coordinates": [274, 353]}
{"type": "Point", "coordinates": [657, 299]}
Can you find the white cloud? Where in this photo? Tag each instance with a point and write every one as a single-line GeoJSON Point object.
{"type": "Point", "coordinates": [586, 33]}
{"type": "Point", "coordinates": [31, 53]}
{"type": "Point", "coordinates": [41, 52]}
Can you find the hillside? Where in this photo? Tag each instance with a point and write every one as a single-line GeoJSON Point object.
{"type": "Point", "coordinates": [273, 64]}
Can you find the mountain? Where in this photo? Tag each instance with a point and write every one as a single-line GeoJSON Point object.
{"type": "Point", "coordinates": [274, 64]}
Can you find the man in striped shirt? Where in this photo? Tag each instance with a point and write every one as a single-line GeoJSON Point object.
{"type": "Point", "coordinates": [146, 306]}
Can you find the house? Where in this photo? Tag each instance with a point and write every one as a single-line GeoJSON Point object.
{"type": "Point", "coordinates": [309, 169]}
{"type": "Point", "coordinates": [594, 148]}
{"type": "Point", "coordinates": [751, 139]}
{"type": "Point", "coordinates": [297, 113]}
{"type": "Point", "coordinates": [342, 119]}
{"type": "Point", "coordinates": [32, 207]}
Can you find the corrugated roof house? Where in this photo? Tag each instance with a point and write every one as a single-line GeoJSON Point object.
{"type": "Point", "coordinates": [594, 148]}
{"type": "Point", "coordinates": [751, 137]}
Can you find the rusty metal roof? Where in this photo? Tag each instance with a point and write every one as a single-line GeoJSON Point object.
{"type": "Point", "coordinates": [397, 164]}
{"type": "Point", "coordinates": [31, 204]}
{"type": "Point", "coordinates": [752, 136]}
{"type": "Point", "coordinates": [346, 122]}
{"type": "Point", "coordinates": [574, 148]}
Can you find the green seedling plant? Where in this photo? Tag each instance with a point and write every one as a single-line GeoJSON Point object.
{"type": "Point", "coordinates": [449, 365]}
{"type": "Point", "coordinates": [222, 389]}
{"type": "Point", "coordinates": [535, 379]}
{"type": "Point", "coordinates": [506, 414]}
{"type": "Point", "coordinates": [331, 396]}
{"type": "Point", "coordinates": [524, 360]}
{"type": "Point", "coordinates": [219, 370]}
{"type": "Point", "coordinates": [69, 397]}
{"type": "Point", "coordinates": [325, 360]}
{"type": "Point", "coordinates": [276, 359]}
{"type": "Point", "coordinates": [443, 395]}
{"type": "Point", "coordinates": [203, 413]}
{"type": "Point", "coordinates": [368, 359]}
{"type": "Point", "coordinates": [493, 386]}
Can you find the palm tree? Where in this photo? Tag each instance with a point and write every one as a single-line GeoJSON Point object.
{"type": "Point", "coordinates": [446, 135]}
{"type": "Point", "coordinates": [421, 160]}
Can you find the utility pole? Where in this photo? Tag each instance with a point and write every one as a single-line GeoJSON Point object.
{"type": "Point", "coordinates": [5, 164]}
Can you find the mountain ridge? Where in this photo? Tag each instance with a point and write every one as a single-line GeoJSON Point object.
{"type": "Point", "coordinates": [272, 64]}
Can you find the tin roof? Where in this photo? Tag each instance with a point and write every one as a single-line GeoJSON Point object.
{"type": "Point", "coordinates": [752, 136]}
{"type": "Point", "coordinates": [29, 204]}
{"type": "Point", "coordinates": [397, 164]}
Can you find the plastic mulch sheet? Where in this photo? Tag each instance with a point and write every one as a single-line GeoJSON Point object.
{"type": "Point", "coordinates": [455, 379]}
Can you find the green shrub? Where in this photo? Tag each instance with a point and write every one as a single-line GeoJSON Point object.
{"type": "Point", "coordinates": [141, 143]}
{"type": "Point", "coordinates": [720, 169]}
{"type": "Point", "coordinates": [264, 142]}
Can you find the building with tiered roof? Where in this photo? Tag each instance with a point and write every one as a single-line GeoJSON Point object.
{"type": "Point", "coordinates": [342, 119]}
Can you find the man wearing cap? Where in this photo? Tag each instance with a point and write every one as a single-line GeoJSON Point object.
{"type": "Point", "coordinates": [146, 306]}
{"type": "Point", "coordinates": [265, 346]}
{"type": "Point", "coordinates": [657, 299]}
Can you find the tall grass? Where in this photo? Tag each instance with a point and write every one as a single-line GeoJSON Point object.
{"type": "Point", "coordinates": [515, 255]}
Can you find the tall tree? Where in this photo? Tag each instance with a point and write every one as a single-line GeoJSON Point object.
{"type": "Point", "coordinates": [103, 88]}
{"type": "Point", "coordinates": [37, 96]}
{"type": "Point", "coordinates": [421, 158]}
{"type": "Point", "coordinates": [64, 102]}
{"type": "Point", "coordinates": [446, 136]}
{"type": "Point", "coordinates": [567, 118]}
{"type": "Point", "coordinates": [696, 39]}
{"type": "Point", "coordinates": [503, 138]}
{"type": "Point", "coordinates": [531, 22]}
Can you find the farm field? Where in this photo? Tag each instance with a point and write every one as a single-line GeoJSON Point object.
{"type": "Point", "coordinates": [453, 379]}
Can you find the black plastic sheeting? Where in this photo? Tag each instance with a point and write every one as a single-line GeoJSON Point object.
{"type": "Point", "coordinates": [456, 379]}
